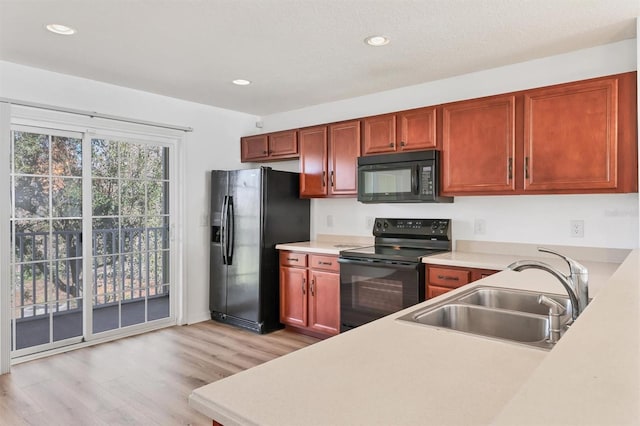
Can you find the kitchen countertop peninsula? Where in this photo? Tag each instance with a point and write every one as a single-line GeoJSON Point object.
{"type": "Point", "coordinates": [393, 372]}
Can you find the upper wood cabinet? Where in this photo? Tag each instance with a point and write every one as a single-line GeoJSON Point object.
{"type": "Point", "coordinates": [570, 136]}
{"type": "Point", "coordinates": [478, 146]}
{"type": "Point", "coordinates": [379, 134]}
{"type": "Point", "coordinates": [328, 160]}
{"type": "Point", "coordinates": [269, 147]}
{"type": "Point", "coordinates": [344, 150]}
{"type": "Point", "coordinates": [410, 130]}
{"type": "Point", "coordinates": [313, 161]}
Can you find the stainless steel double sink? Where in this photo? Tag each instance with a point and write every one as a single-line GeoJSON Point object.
{"type": "Point", "coordinates": [494, 312]}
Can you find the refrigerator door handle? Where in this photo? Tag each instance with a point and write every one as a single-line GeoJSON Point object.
{"type": "Point", "coordinates": [231, 235]}
{"type": "Point", "coordinates": [223, 231]}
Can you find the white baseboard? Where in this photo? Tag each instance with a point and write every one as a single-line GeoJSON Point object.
{"type": "Point", "coordinates": [199, 317]}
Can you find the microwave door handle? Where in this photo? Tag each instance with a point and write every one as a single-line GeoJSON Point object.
{"type": "Point", "coordinates": [415, 180]}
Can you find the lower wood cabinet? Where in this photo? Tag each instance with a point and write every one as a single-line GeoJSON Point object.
{"type": "Point", "coordinates": [310, 293]}
{"type": "Point", "coordinates": [442, 279]}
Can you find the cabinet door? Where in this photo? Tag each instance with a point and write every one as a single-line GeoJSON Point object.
{"type": "Point", "coordinates": [254, 148]}
{"type": "Point", "coordinates": [478, 144]}
{"type": "Point", "coordinates": [293, 296]}
{"type": "Point", "coordinates": [571, 136]}
{"type": "Point", "coordinates": [283, 144]}
{"type": "Point", "coordinates": [314, 178]}
{"type": "Point", "coordinates": [324, 302]}
{"type": "Point", "coordinates": [416, 129]}
{"type": "Point", "coordinates": [344, 149]}
{"type": "Point", "coordinates": [379, 134]}
{"type": "Point", "coordinates": [434, 291]}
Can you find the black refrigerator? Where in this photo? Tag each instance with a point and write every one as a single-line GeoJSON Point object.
{"type": "Point", "coordinates": [252, 210]}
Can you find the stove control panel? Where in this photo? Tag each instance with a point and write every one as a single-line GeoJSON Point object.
{"type": "Point", "coordinates": [439, 229]}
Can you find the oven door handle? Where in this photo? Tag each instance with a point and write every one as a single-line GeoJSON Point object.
{"type": "Point", "coordinates": [380, 263]}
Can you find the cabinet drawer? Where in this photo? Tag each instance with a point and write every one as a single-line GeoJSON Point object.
{"type": "Point", "coordinates": [290, 258]}
{"type": "Point", "coordinates": [452, 278]}
{"type": "Point", "coordinates": [328, 263]}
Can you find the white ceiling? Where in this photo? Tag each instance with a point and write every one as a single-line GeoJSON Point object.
{"type": "Point", "coordinates": [297, 52]}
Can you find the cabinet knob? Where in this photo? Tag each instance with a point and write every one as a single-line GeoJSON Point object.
{"type": "Point", "coordinates": [265, 152]}
{"type": "Point", "coordinates": [403, 143]}
{"type": "Point", "coordinates": [390, 144]}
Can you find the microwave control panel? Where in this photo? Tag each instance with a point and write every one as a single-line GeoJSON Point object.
{"type": "Point", "coordinates": [426, 180]}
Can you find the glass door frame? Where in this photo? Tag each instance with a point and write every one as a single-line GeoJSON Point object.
{"type": "Point", "coordinates": [11, 115]}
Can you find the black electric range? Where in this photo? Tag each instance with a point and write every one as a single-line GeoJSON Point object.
{"type": "Point", "coordinates": [389, 276]}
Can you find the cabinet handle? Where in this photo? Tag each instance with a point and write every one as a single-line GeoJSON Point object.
{"type": "Point", "coordinates": [390, 144]}
{"type": "Point", "coordinates": [293, 259]}
{"type": "Point", "coordinates": [324, 178]}
{"type": "Point", "coordinates": [448, 278]}
{"type": "Point", "coordinates": [313, 282]}
{"type": "Point", "coordinates": [325, 263]}
{"type": "Point", "coordinates": [510, 166]}
{"type": "Point", "coordinates": [304, 286]}
{"type": "Point", "coordinates": [526, 167]}
{"type": "Point", "coordinates": [332, 185]}
{"type": "Point", "coordinates": [265, 152]}
{"type": "Point", "coordinates": [403, 143]}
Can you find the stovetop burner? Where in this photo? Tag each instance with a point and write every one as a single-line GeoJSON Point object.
{"type": "Point", "coordinates": [405, 240]}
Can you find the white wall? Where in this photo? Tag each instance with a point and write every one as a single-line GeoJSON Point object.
{"type": "Point", "coordinates": [213, 144]}
{"type": "Point", "coordinates": [610, 220]}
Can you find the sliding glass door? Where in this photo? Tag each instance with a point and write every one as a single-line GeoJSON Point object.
{"type": "Point", "coordinates": [130, 228]}
{"type": "Point", "coordinates": [81, 273]}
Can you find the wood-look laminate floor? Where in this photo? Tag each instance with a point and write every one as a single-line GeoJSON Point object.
{"type": "Point", "coordinates": [139, 380]}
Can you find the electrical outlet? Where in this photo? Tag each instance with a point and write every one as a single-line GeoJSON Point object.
{"type": "Point", "coordinates": [479, 227]}
{"type": "Point", "coordinates": [576, 229]}
{"type": "Point", "coordinates": [329, 221]}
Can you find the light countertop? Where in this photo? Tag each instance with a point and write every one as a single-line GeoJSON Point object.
{"type": "Point", "coordinates": [327, 244]}
{"type": "Point", "coordinates": [393, 372]}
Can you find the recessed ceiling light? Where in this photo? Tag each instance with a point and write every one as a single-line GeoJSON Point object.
{"type": "Point", "coordinates": [241, 82]}
{"type": "Point", "coordinates": [61, 29]}
{"type": "Point", "coordinates": [376, 40]}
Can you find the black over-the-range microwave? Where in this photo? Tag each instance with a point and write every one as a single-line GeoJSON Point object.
{"type": "Point", "coordinates": [408, 177]}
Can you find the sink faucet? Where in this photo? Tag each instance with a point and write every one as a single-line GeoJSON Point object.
{"type": "Point", "coordinates": [576, 283]}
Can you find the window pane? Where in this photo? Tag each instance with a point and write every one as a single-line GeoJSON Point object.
{"type": "Point", "coordinates": [156, 204]}
{"type": "Point", "coordinates": [65, 239]}
{"type": "Point", "coordinates": [155, 163]}
{"type": "Point", "coordinates": [105, 197]}
{"type": "Point", "coordinates": [107, 278]}
{"type": "Point", "coordinates": [67, 197]}
{"type": "Point", "coordinates": [133, 160]}
{"type": "Point", "coordinates": [133, 234]}
{"type": "Point", "coordinates": [31, 240]}
{"type": "Point", "coordinates": [158, 303]}
{"type": "Point", "coordinates": [66, 156]}
{"type": "Point", "coordinates": [106, 236]}
{"type": "Point", "coordinates": [104, 158]}
{"type": "Point", "coordinates": [31, 153]}
{"type": "Point", "coordinates": [132, 197]}
{"type": "Point", "coordinates": [31, 196]}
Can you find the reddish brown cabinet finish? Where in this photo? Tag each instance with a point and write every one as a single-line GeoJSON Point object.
{"type": "Point", "coordinates": [379, 134]}
{"type": "Point", "coordinates": [410, 130]}
{"type": "Point", "coordinates": [478, 146]}
{"type": "Point", "coordinates": [310, 295]}
{"type": "Point", "coordinates": [442, 279]}
{"type": "Point", "coordinates": [253, 148]}
{"type": "Point", "coordinates": [570, 136]}
{"type": "Point", "coordinates": [269, 147]}
{"type": "Point", "coordinates": [328, 160]}
{"type": "Point", "coordinates": [314, 162]}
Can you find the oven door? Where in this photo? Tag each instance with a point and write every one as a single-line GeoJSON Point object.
{"type": "Point", "coordinates": [372, 289]}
